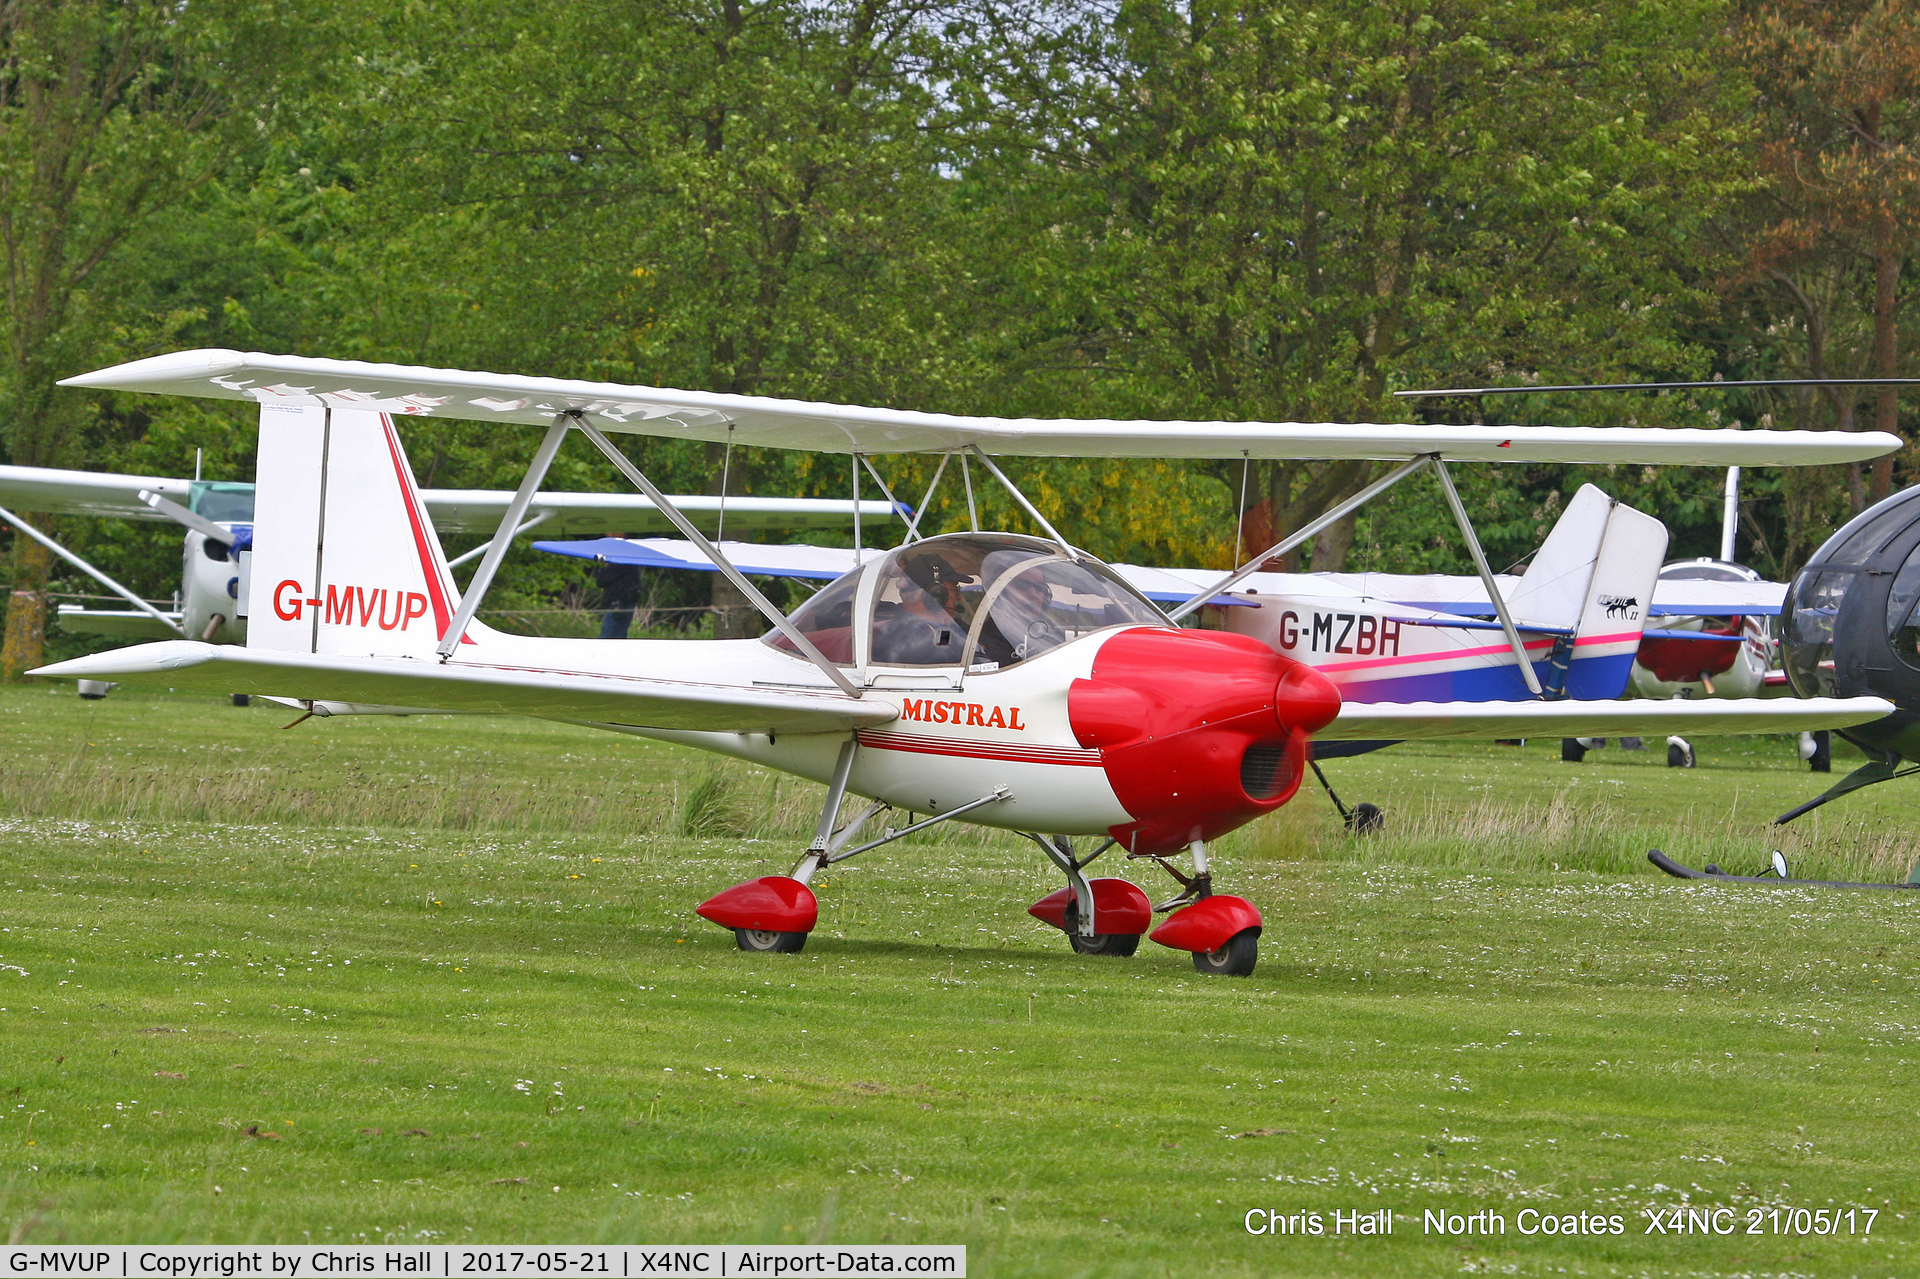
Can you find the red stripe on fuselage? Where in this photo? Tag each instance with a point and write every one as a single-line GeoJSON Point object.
{"type": "Point", "coordinates": [917, 745]}
{"type": "Point", "coordinates": [429, 567]}
{"type": "Point", "coordinates": [1451, 654]}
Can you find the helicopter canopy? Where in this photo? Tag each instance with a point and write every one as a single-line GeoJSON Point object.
{"type": "Point", "coordinates": [1835, 597]}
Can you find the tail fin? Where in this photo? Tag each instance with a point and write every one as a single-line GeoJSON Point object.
{"type": "Point", "coordinates": [345, 557]}
{"type": "Point", "coordinates": [1593, 575]}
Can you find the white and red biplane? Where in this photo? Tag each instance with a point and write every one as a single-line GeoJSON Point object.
{"type": "Point", "coordinates": [1004, 680]}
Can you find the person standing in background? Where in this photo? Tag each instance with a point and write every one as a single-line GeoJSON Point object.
{"type": "Point", "coordinates": [619, 591]}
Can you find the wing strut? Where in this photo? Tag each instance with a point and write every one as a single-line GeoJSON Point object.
{"type": "Point", "coordinates": [1021, 498]}
{"type": "Point", "coordinates": [182, 515]}
{"type": "Point", "coordinates": [509, 521]}
{"type": "Point", "coordinates": [1306, 531]}
{"type": "Point", "coordinates": [484, 547]}
{"type": "Point", "coordinates": [90, 570]}
{"type": "Point", "coordinates": [898, 510]}
{"type": "Point", "coordinates": [1486, 576]}
{"type": "Point", "coordinates": [712, 552]}
{"type": "Point", "coordinates": [913, 527]}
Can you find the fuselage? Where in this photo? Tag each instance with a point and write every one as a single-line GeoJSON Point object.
{"type": "Point", "coordinates": [1007, 666]}
{"type": "Point", "coordinates": [1361, 634]}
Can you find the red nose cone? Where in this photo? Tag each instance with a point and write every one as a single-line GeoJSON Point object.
{"type": "Point", "coordinates": [1199, 732]}
{"type": "Point", "coordinates": [1305, 699]}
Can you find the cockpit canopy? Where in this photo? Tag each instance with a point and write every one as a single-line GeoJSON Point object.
{"type": "Point", "coordinates": [1864, 584]}
{"type": "Point", "coordinates": [978, 600]}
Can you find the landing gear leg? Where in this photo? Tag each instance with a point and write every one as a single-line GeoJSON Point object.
{"type": "Point", "coordinates": [1362, 818]}
{"type": "Point", "coordinates": [1085, 906]}
{"type": "Point", "coordinates": [1221, 931]}
{"type": "Point", "coordinates": [1817, 750]}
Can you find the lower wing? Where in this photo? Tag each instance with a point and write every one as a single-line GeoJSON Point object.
{"type": "Point", "coordinates": [1429, 721]}
{"type": "Point", "coordinates": [420, 685]}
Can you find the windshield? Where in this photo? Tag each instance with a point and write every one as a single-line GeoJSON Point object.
{"type": "Point", "coordinates": [992, 600]}
{"type": "Point", "coordinates": [1812, 604]}
{"type": "Point", "coordinates": [826, 619]}
{"type": "Point", "coordinates": [221, 501]}
{"type": "Point", "coordinates": [983, 600]}
{"type": "Point", "coordinates": [1035, 602]}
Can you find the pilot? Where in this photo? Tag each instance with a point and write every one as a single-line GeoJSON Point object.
{"type": "Point", "coordinates": [922, 630]}
{"type": "Point", "coordinates": [1017, 626]}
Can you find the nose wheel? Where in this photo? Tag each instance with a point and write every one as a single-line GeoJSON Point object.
{"type": "Point", "coordinates": [763, 941]}
{"type": "Point", "coordinates": [1234, 959]}
{"type": "Point", "coordinates": [1221, 931]}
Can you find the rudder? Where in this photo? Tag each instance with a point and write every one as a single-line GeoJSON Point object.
{"type": "Point", "coordinates": [346, 559]}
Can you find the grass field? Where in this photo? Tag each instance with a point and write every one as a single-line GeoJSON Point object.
{"type": "Point", "coordinates": [439, 979]}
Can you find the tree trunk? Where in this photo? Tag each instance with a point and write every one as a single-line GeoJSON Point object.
{"type": "Point", "coordinates": [1331, 546]}
{"type": "Point", "coordinates": [734, 616]}
{"type": "Point", "coordinates": [25, 644]}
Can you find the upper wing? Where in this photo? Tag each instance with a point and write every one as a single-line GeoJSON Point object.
{"type": "Point", "coordinates": [1428, 721]}
{"type": "Point", "coordinates": [41, 488]}
{"type": "Point", "coordinates": [516, 690]}
{"type": "Point", "coordinates": [841, 428]}
{"type": "Point", "coordinates": [479, 511]}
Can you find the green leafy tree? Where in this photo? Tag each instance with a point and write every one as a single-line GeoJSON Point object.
{"type": "Point", "coordinates": [111, 114]}
{"type": "Point", "coordinates": [1276, 211]}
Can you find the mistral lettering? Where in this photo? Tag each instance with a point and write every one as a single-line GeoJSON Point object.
{"type": "Point", "coordinates": [928, 710]}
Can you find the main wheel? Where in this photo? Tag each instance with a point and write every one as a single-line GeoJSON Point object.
{"type": "Point", "coordinates": [1366, 819]}
{"type": "Point", "coordinates": [1117, 944]}
{"type": "Point", "coordinates": [760, 941]}
{"type": "Point", "coordinates": [1235, 959]}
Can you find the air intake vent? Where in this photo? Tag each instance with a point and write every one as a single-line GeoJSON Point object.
{"type": "Point", "coordinates": [1264, 770]}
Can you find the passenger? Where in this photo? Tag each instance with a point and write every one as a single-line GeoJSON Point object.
{"type": "Point", "coordinates": [1020, 615]}
{"type": "Point", "coordinates": [922, 631]}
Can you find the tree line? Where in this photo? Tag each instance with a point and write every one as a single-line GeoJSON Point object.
{"type": "Point", "coordinates": [1260, 210]}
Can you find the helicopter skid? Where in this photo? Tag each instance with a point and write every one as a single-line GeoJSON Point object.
{"type": "Point", "coordinates": [1678, 871]}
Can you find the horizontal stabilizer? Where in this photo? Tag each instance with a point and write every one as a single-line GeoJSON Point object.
{"type": "Point", "coordinates": [468, 686]}
{"type": "Point", "coordinates": [844, 428]}
{"type": "Point", "coordinates": [1433, 721]}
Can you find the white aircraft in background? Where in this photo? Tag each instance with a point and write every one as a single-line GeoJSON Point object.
{"type": "Point", "coordinates": [214, 601]}
{"type": "Point", "coordinates": [1003, 680]}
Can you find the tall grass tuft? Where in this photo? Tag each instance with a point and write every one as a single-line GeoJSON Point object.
{"type": "Point", "coordinates": [715, 808]}
{"type": "Point", "coordinates": [1602, 835]}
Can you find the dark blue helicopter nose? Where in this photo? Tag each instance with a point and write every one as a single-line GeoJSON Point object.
{"type": "Point", "coordinates": [1850, 624]}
